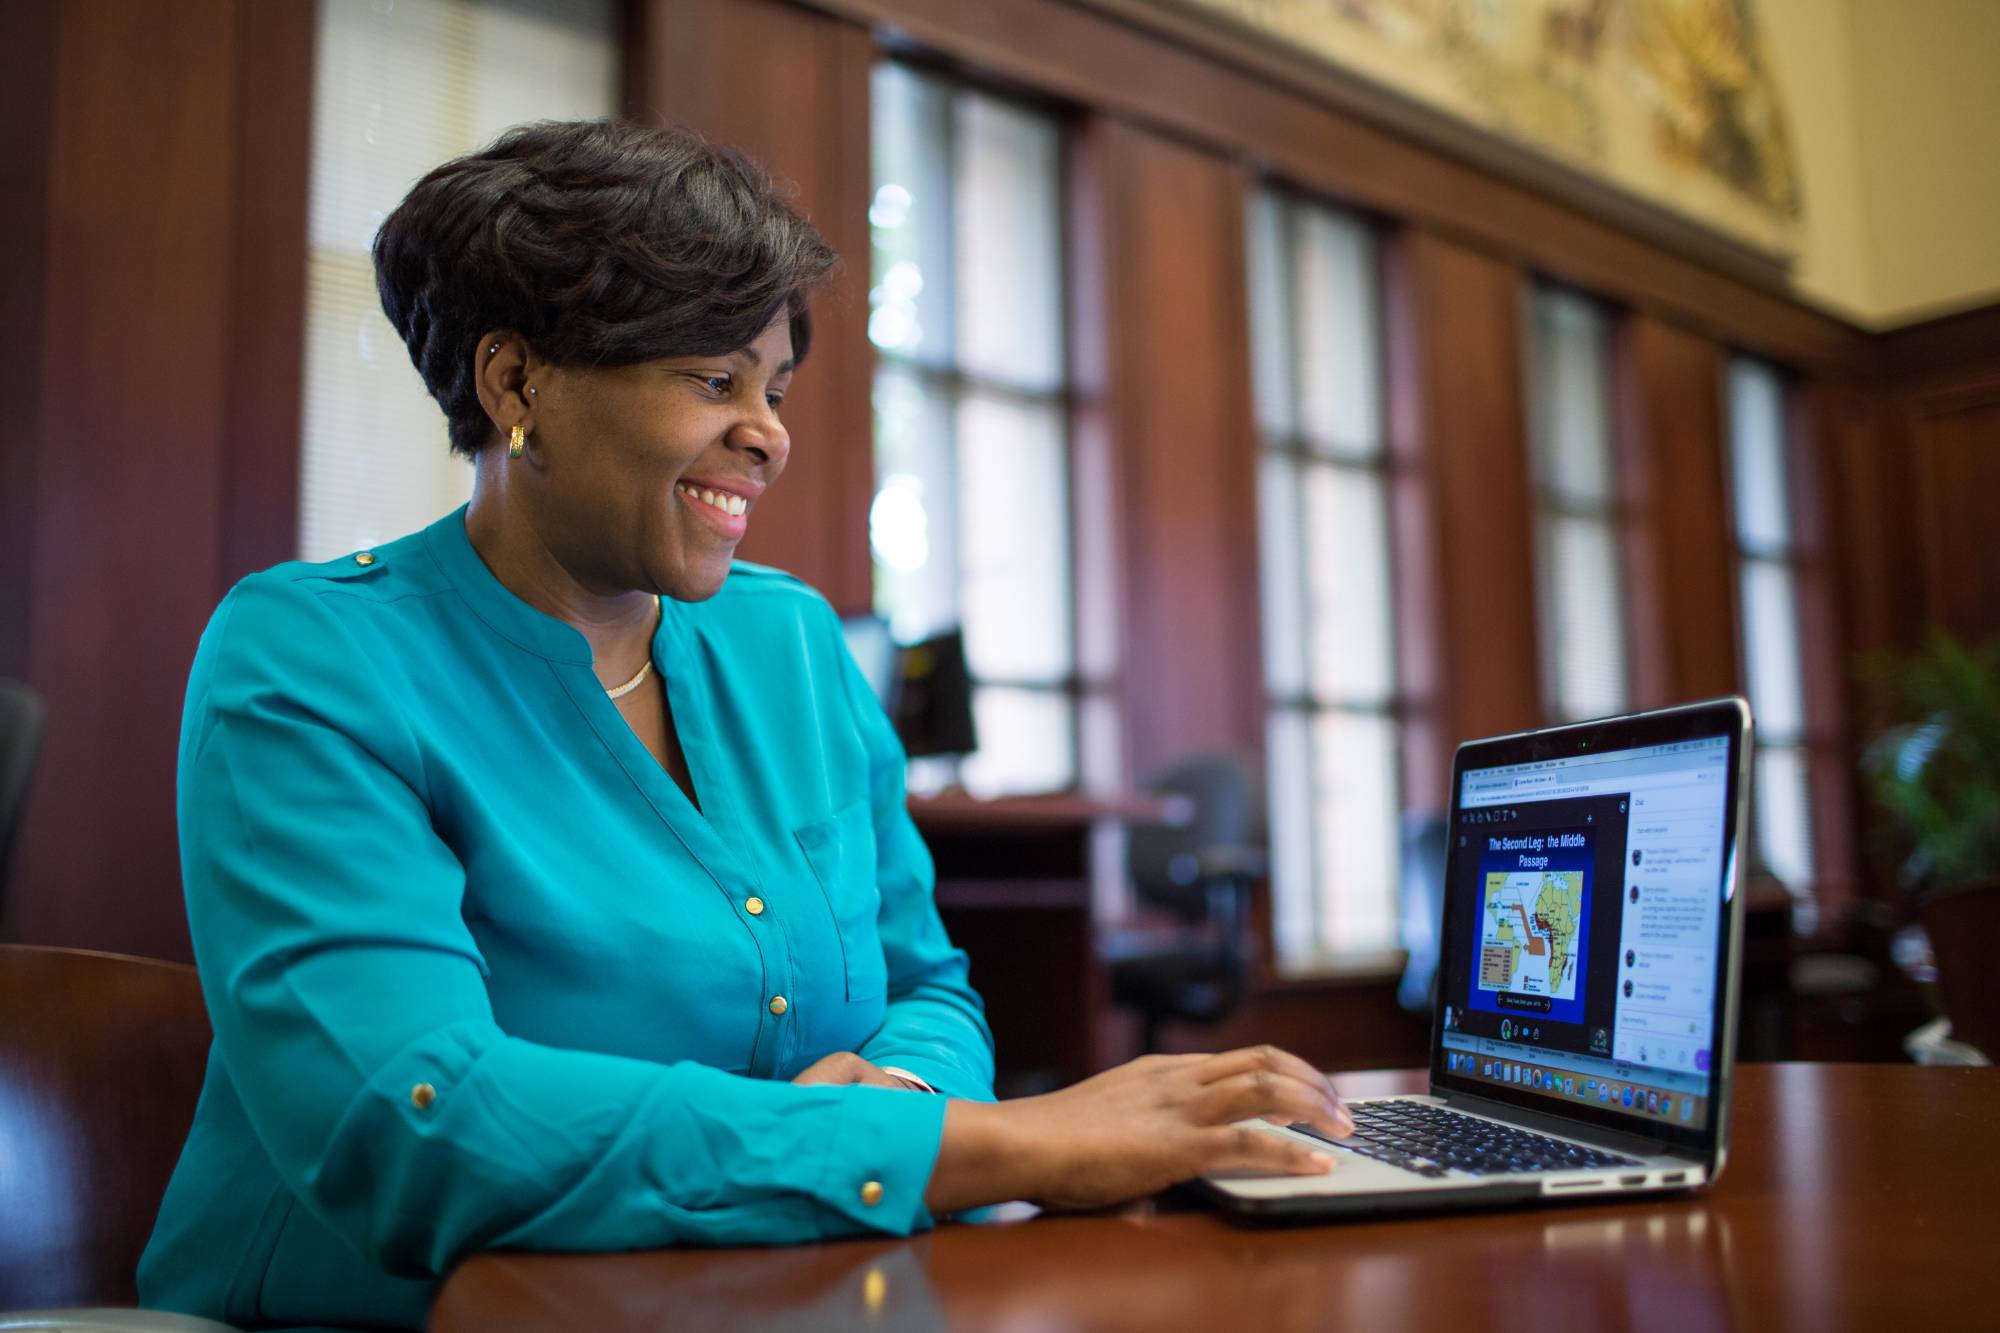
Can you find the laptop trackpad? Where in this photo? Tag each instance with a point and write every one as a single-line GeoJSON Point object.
{"type": "Point", "coordinates": [1352, 1174]}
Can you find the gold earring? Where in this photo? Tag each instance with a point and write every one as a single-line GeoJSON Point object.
{"type": "Point", "coordinates": [517, 442]}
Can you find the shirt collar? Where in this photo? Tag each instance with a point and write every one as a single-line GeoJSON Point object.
{"type": "Point", "coordinates": [507, 615]}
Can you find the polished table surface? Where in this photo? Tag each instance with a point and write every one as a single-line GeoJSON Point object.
{"type": "Point", "coordinates": [1856, 1196]}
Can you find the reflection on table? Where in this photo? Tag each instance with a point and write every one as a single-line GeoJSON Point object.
{"type": "Point", "coordinates": [1857, 1195]}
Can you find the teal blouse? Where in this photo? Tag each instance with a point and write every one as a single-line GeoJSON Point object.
{"type": "Point", "coordinates": [481, 976]}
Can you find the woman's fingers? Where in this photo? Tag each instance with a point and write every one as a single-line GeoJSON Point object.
{"type": "Point", "coordinates": [1230, 1063]}
{"type": "Point", "coordinates": [1260, 1093]}
{"type": "Point", "coordinates": [1239, 1146]}
{"type": "Point", "coordinates": [1250, 1059]}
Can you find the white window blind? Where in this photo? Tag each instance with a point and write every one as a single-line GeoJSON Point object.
{"type": "Point", "coordinates": [1581, 588]}
{"type": "Point", "coordinates": [399, 87]}
{"type": "Point", "coordinates": [1327, 609]}
{"type": "Point", "coordinates": [970, 525]}
{"type": "Point", "coordinates": [1767, 594]}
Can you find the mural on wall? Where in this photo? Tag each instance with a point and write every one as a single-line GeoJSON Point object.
{"type": "Point", "coordinates": [1673, 100]}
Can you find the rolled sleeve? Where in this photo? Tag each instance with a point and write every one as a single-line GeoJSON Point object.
{"type": "Point", "coordinates": [876, 1180]}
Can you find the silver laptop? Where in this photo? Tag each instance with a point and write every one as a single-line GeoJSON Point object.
{"type": "Point", "coordinates": [1584, 1030]}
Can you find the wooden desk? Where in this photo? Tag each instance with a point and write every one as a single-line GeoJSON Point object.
{"type": "Point", "coordinates": [1857, 1196]}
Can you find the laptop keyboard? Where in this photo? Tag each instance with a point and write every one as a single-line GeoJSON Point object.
{"type": "Point", "coordinates": [1433, 1141]}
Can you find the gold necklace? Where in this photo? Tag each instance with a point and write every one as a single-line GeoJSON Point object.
{"type": "Point", "coordinates": [621, 691]}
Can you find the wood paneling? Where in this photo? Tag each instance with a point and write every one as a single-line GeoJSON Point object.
{"type": "Point", "coordinates": [1869, 494]}
{"type": "Point", "coordinates": [1957, 456]}
{"type": "Point", "coordinates": [27, 108]}
{"type": "Point", "coordinates": [164, 448]}
{"type": "Point", "coordinates": [1959, 350]}
{"type": "Point", "coordinates": [1176, 398]}
{"type": "Point", "coordinates": [790, 88]}
{"type": "Point", "coordinates": [1678, 544]}
{"type": "Point", "coordinates": [1912, 468]}
{"type": "Point", "coordinates": [267, 310]}
{"type": "Point", "coordinates": [1069, 50]}
{"type": "Point", "coordinates": [1868, 498]}
{"type": "Point", "coordinates": [1457, 427]}
{"type": "Point", "coordinates": [1943, 431]}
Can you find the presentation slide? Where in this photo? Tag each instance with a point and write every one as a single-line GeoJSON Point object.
{"type": "Point", "coordinates": [1533, 922]}
{"type": "Point", "coordinates": [1535, 935]}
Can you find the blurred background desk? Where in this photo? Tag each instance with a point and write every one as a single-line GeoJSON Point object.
{"type": "Point", "coordinates": [1858, 1196]}
{"type": "Point", "coordinates": [1014, 883]}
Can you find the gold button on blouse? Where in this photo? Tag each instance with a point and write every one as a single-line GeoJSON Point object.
{"type": "Point", "coordinates": [871, 1193]}
{"type": "Point", "coordinates": [754, 906]}
{"type": "Point", "coordinates": [778, 1005]}
{"type": "Point", "coordinates": [422, 1096]}
{"type": "Point", "coordinates": [365, 559]}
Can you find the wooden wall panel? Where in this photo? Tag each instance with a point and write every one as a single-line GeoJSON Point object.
{"type": "Point", "coordinates": [1176, 390]}
{"type": "Point", "coordinates": [1957, 457]}
{"type": "Point", "coordinates": [1679, 547]}
{"type": "Point", "coordinates": [1943, 404]}
{"type": "Point", "coordinates": [790, 88]}
{"type": "Point", "coordinates": [1457, 424]}
{"type": "Point", "coordinates": [27, 106]}
{"type": "Point", "coordinates": [1868, 499]}
{"type": "Point", "coordinates": [1869, 493]}
{"type": "Point", "coordinates": [164, 449]}
{"type": "Point", "coordinates": [1912, 466]}
{"type": "Point", "coordinates": [267, 310]}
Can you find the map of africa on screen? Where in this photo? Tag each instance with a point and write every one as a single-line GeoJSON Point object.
{"type": "Point", "coordinates": [1527, 942]}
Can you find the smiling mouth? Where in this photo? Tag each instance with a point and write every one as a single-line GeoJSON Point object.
{"type": "Point", "coordinates": [722, 502]}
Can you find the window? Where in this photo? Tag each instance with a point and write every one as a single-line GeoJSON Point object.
{"type": "Point", "coordinates": [1580, 592]}
{"type": "Point", "coordinates": [397, 89]}
{"type": "Point", "coordinates": [970, 524]}
{"type": "Point", "coordinates": [1323, 525]}
{"type": "Point", "coordinates": [1768, 602]}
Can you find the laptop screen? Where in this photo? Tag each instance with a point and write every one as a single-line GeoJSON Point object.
{"type": "Point", "coordinates": [1584, 920]}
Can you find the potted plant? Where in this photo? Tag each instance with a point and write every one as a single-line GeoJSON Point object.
{"type": "Point", "coordinates": [1938, 775]}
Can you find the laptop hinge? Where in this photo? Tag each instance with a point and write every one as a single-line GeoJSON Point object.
{"type": "Point", "coordinates": [1630, 1144]}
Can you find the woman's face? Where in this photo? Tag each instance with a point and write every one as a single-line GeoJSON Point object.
{"type": "Point", "coordinates": [650, 474]}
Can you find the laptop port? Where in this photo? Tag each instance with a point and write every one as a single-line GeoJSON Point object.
{"type": "Point", "coordinates": [1632, 1180]}
{"type": "Point", "coordinates": [1673, 1178]}
{"type": "Point", "coordinates": [1575, 1184]}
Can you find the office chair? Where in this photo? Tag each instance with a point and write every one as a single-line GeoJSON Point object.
{"type": "Point", "coordinates": [22, 716]}
{"type": "Point", "coordinates": [1199, 874]}
{"type": "Point", "coordinates": [101, 1060]}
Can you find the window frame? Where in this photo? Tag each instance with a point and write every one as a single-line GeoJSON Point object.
{"type": "Point", "coordinates": [1382, 468]}
{"type": "Point", "coordinates": [1800, 557]}
{"type": "Point", "coordinates": [1081, 692]}
{"type": "Point", "coordinates": [1614, 512]}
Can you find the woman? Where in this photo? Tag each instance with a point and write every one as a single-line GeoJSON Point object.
{"type": "Point", "coordinates": [549, 873]}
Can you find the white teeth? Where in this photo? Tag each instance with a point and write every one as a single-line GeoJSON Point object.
{"type": "Point", "coordinates": [723, 500]}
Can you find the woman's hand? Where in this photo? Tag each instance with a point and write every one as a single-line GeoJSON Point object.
{"type": "Point", "coordinates": [845, 1067]}
{"type": "Point", "coordinates": [1136, 1129]}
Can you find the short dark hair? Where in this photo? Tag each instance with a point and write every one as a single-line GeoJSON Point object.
{"type": "Point", "coordinates": [602, 244]}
